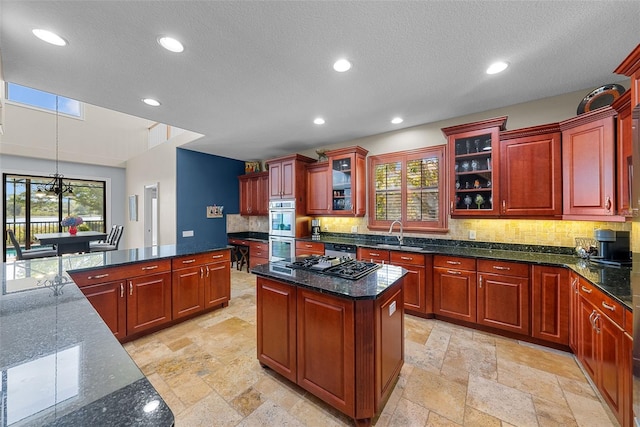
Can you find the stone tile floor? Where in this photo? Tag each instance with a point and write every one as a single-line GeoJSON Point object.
{"type": "Point", "coordinates": [207, 372]}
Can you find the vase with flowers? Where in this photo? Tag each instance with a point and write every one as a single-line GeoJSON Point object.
{"type": "Point", "coordinates": [72, 222]}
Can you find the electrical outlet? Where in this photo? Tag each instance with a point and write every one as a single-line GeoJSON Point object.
{"type": "Point", "coordinates": [187, 233]}
{"type": "Point", "coordinates": [472, 234]}
{"type": "Point", "coordinates": [326, 228]}
{"type": "Point", "coordinates": [354, 228]}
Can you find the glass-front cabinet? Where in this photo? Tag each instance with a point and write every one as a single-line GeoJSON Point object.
{"type": "Point", "coordinates": [347, 181]}
{"type": "Point", "coordinates": [474, 166]}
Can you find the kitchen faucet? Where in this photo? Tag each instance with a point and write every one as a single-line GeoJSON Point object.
{"type": "Point", "coordinates": [400, 237]}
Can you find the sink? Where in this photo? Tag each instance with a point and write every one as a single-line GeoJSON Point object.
{"type": "Point", "coordinates": [399, 248]}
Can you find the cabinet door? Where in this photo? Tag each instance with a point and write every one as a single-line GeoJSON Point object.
{"type": "Point", "coordinates": [263, 194]}
{"type": "Point", "coordinates": [275, 180]}
{"type": "Point", "coordinates": [217, 284]}
{"type": "Point", "coordinates": [253, 196]}
{"type": "Point", "coordinates": [612, 363]}
{"type": "Point", "coordinates": [326, 357]}
{"type": "Point", "coordinates": [188, 291]}
{"type": "Point", "coordinates": [587, 348]}
{"type": "Point", "coordinates": [148, 302]}
{"type": "Point", "coordinates": [276, 321]}
{"type": "Point", "coordinates": [245, 196]}
{"type": "Point", "coordinates": [373, 255]}
{"type": "Point", "coordinates": [588, 165]}
{"type": "Point", "coordinates": [288, 179]}
{"type": "Point", "coordinates": [318, 200]}
{"type": "Point", "coordinates": [503, 302]}
{"type": "Point", "coordinates": [110, 301]}
{"type": "Point", "coordinates": [454, 293]}
{"type": "Point", "coordinates": [414, 288]}
{"type": "Point", "coordinates": [574, 315]}
{"type": "Point", "coordinates": [550, 295]}
{"type": "Point", "coordinates": [531, 176]}
{"type": "Point", "coordinates": [342, 171]}
{"type": "Point", "coordinates": [624, 153]}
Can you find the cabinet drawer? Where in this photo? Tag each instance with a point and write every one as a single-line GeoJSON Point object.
{"type": "Point", "coordinates": [217, 256]}
{"type": "Point", "coordinates": [503, 267]}
{"type": "Point", "coordinates": [613, 309]}
{"type": "Point", "coordinates": [407, 258]}
{"type": "Point", "coordinates": [258, 247]}
{"type": "Point", "coordinates": [459, 263]}
{"type": "Point", "coordinates": [310, 246]}
{"type": "Point", "coordinates": [241, 242]}
{"type": "Point", "coordinates": [628, 321]}
{"type": "Point", "coordinates": [200, 259]}
{"type": "Point", "coordinates": [375, 255]}
{"type": "Point", "coordinates": [128, 271]}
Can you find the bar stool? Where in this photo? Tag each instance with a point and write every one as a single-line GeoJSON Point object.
{"type": "Point", "coordinates": [234, 255]}
{"type": "Point", "coordinates": [242, 257]}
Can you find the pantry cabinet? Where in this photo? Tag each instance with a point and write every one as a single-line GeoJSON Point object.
{"type": "Point", "coordinates": [588, 164]}
{"type": "Point", "coordinates": [474, 153]}
{"type": "Point", "coordinates": [254, 194]}
{"type": "Point", "coordinates": [531, 172]}
{"type": "Point", "coordinates": [287, 178]}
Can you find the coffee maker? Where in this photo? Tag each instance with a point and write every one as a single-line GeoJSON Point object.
{"type": "Point", "coordinates": [614, 247]}
{"type": "Point", "coordinates": [315, 229]}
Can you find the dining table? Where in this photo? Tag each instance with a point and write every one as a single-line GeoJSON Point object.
{"type": "Point", "coordinates": [67, 243]}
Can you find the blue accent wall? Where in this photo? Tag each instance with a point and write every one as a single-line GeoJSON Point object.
{"type": "Point", "coordinates": [204, 180]}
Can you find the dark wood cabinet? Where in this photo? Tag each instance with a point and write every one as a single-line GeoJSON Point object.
{"type": "Point", "coordinates": [110, 301]}
{"type": "Point", "coordinates": [631, 67]}
{"type": "Point", "coordinates": [624, 154]}
{"type": "Point", "coordinates": [550, 303]}
{"type": "Point", "coordinates": [474, 153]}
{"type": "Point", "coordinates": [318, 199]}
{"type": "Point", "coordinates": [531, 172]}
{"type": "Point", "coordinates": [454, 288]}
{"type": "Point", "coordinates": [574, 313]}
{"type": "Point", "coordinates": [287, 179]}
{"type": "Point", "coordinates": [258, 253]}
{"type": "Point", "coordinates": [304, 248]}
{"type": "Point", "coordinates": [200, 282]}
{"type": "Point", "coordinates": [254, 194]}
{"type": "Point", "coordinates": [148, 302]}
{"type": "Point", "coordinates": [503, 295]}
{"type": "Point", "coordinates": [373, 255]}
{"type": "Point", "coordinates": [588, 166]}
{"type": "Point", "coordinates": [415, 298]}
{"type": "Point", "coordinates": [276, 334]}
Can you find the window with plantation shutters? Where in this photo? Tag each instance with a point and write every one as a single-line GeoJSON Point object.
{"type": "Point", "coordinates": [408, 186]}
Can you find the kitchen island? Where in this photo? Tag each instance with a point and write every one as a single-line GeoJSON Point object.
{"type": "Point", "coordinates": [61, 364]}
{"type": "Point", "coordinates": [342, 340]}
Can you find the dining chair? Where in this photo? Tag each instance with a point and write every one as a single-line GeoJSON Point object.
{"type": "Point", "coordinates": [107, 240]}
{"type": "Point", "coordinates": [109, 245]}
{"type": "Point", "coordinates": [29, 253]}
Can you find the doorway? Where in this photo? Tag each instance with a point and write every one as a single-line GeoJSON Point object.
{"type": "Point", "coordinates": [151, 215]}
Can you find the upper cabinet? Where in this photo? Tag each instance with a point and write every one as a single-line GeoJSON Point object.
{"type": "Point", "coordinates": [624, 158]}
{"type": "Point", "coordinates": [588, 165]}
{"type": "Point", "coordinates": [338, 186]}
{"type": "Point", "coordinates": [254, 194]}
{"type": "Point", "coordinates": [631, 67]}
{"type": "Point", "coordinates": [474, 165]}
{"type": "Point", "coordinates": [531, 172]}
{"type": "Point", "coordinates": [287, 178]}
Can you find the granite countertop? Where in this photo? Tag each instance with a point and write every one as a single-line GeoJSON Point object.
{"type": "Point", "coordinates": [249, 235]}
{"type": "Point", "coordinates": [60, 363]}
{"type": "Point", "coordinates": [368, 287]}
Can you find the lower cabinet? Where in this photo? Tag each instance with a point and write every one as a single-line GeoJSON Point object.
{"type": "Point", "coordinates": [574, 312]}
{"type": "Point", "coordinates": [454, 287]}
{"type": "Point", "coordinates": [603, 348]}
{"type": "Point", "coordinates": [110, 302]}
{"type": "Point", "coordinates": [550, 306]}
{"type": "Point", "coordinates": [258, 253]}
{"type": "Point", "coordinates": [415, 298]}
{"type": "Point", "coordinates": [304, 248]}
{"type": "Point", "coordinates": [148, 302]}
{"type": "Point", "coordinates": [346, 352]}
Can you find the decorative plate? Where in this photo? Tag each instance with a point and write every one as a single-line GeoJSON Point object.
{"type": "Point", "coordinates": [600, 97]}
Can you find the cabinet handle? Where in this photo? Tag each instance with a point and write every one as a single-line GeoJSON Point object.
{"type": "Point", "coordinates": [504, 206]}
{"type": "Point", "coordinates": [499, 267]}
{"type": "Point", "coordinates": [596, 318]}
{"type": "Point", "coordinates": [451, 208]}
{"type": "Point", "coordinates": [308, 246]}
{"type": "Point", "coordinates": [130, 287]}
{"type": "Point", "coordinates": [151, 267]}
{"type": "Point", "coordinates": [480, 280]}
{"type": "Point", "coordinates": [374, 254]}
{"type": "Point", "coordinates": [454, 262]}
{"type": "Point", "coordinates": [586, 290]}
{"type": "Point", "coordinates": [454, 272]}
{"type": "Point", "coordinates": [608, 307]}
{"type": "Point", "coordinates": [201, 273]}
{"type": "Point", "coordinates": [574, 284]}
{"type": "Point", "coordinates": [607, 203]}
{"type": "Point", "coordinates": [121, 290]}
{"type": "Point", "coordinates": [216, 256]}
{"type": "Point", "coordinates": [207, 271]}
{"type": "Point", "coordinates": [591, 319]}
{"type": "Point", "coordinates": [408, 258]}
{"type": "Point", "coordinates": [188, 261]}
{"type": "Point", "coordinates": [99, 276]}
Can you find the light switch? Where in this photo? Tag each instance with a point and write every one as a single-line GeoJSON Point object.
{"type": "Point", "coordinates": [187, 233]}
{"type": "Point", "coordinates": [472, 234]}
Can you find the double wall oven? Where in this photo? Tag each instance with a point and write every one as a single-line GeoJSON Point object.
{"type": "Point", "coordinates": [282, 230]}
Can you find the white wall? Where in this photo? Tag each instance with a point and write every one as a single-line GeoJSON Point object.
{"type": "Point", "coordinates": [114, 177]}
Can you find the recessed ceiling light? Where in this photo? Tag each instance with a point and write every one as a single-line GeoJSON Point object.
{"type": "Point", "coordinates": [171, 44]}
{"type": "Point", "coordinates": [318, 121]}
{"type": "Point", "coordinates": [49, 37]}
{"type": "Point", "coordinates": [151, 101]}
{"type": "Point", "coordinates": [397, 120]}
{"type": "Point", "coordinates": [342, 65]}
{"type": "Point", "coordinates": [497, 67]}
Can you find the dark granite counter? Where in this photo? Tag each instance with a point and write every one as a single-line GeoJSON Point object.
{"type": "Point", "coordinates": [368, 287]}
{"type": "Point", "coordinates": [60, 363]}
{"type": "Point", "coordinates": [250, 235]}
{"type": "Point", "coordinates": [614, 281]}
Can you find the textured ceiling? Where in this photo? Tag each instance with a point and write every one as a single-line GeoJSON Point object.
{"type": "Point", "coordinates": [254, 75]}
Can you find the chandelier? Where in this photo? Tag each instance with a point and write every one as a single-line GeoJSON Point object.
{"type": "Point", "coordinates": [57, 186]}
